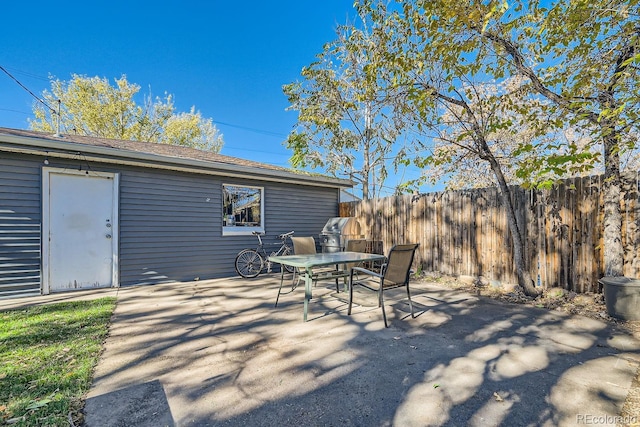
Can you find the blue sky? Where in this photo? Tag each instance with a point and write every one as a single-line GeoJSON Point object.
{"type": "Point", "coordinates": [228, 59]}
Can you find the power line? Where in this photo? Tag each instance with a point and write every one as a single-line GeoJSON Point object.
{"type": "Point", "coordinates": [230, 147]}
{"type": "Point", "coordinates": [27, 89]}
{"type": "Point", "coordinates": [263, 132]}
{"type": "Point", "coordinates": [260, 131]}
{"type": "Point", "coordinates": [15, 71]}
{"type": "Point", "coordinates": [15, 111]}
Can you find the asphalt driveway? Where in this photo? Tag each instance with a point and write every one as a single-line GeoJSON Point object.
{"type": "Point", "coordinates": [217, 353]}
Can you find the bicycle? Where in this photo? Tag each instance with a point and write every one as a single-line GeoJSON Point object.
{"type": "Point", "coordinates": [251, 262]}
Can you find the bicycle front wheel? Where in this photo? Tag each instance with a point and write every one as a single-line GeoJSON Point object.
{"type": "Point", "coordinates": [249, 263]}
{"type": "Point", "coordinates": [287, 268]}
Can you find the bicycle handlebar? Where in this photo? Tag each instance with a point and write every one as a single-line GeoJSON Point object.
{"type": "Point", "coordinates": [280, 236]}
{"type": "Point", "coordinates": [285, 235]}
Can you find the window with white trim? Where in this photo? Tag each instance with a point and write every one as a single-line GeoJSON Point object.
{"type": "Point", "coordinates": [242, 209]}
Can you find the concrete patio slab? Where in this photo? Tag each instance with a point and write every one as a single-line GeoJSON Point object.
{"type": "Point", "coordinates": [217, 353]}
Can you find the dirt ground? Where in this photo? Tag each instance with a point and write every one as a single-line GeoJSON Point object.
{"type": "Point", "coordinates": [589, 305]}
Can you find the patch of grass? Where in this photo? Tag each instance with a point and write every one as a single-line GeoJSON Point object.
{"type": "Point", "coordinates": [47, 356]}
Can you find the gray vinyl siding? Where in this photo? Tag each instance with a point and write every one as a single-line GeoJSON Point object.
{"type": "Point", "coordinates": [20, 219]}
{"type": "Point", "coordinates": [167, 231]}
{"type": "Point", "coordinates": [303, 209]}
{"type": "Point", "coordinates": [170, 223]}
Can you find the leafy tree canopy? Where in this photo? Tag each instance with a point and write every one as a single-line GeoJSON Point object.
{"type": "Point", "coordinates": [91, 106]}
{"type": "Point", "coordinates": [568, 67]}
{"type": "Point", "coordinates": [347, 122]}
{"type": "Point", "coordinates": [488, 82]}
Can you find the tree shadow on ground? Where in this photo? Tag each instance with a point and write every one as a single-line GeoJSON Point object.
{"type": "Point", "coordinates": [226, 356]}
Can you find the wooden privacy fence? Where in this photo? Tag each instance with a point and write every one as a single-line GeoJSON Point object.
{"type": "Point", "coordinates": [465, 232]}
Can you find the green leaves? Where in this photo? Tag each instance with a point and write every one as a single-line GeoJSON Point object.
{"type": "Point", "coordinates": [494, 10]}
{"type": "Point", "coordinates": [299, 143]}
{"type": "Point", "coordinates": [92, 106]}
{"type": "Point", "coordinates": [347, 108]}
{"type": "Point", "coordinates": [531, 89]}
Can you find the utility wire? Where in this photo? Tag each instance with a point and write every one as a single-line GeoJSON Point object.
{"type": "Point", "coordinates": [16, 72]}
{"type": "Point", "coordinates": [231, 147]}
{"type": "Point", "coordinates": [27, 89]}
{"type": "Point", "coordinates": [264, 132]}
{"type": "Point", "coordinates": [260, 131]}
{"type": "Point", "coordinates": [15, 111]}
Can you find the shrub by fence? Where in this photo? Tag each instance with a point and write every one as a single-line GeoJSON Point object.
{"type": "Point", "coordinates": [465, 232]}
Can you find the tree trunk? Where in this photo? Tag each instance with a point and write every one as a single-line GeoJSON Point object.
{"type": "Point", "coordinates": [613, 249]}
{"type": "Point", "coordinates": [522, 271]}
{"type": "Point", "coordinates": [366, 172]}
{"type": "Point", "coordinates": [484, 152]}
{"type": "Point", "coordinates": [614, 252]}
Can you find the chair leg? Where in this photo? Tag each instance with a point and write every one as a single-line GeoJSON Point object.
{"type": "Point", "coordinates": [410, 304]}
{"type": "Point", "coordinates": [337, 280]}
{"type": "Point", "coordinates": [384, 314]}
{"type": "Point", "coordinates": [280, 288]}
{"type": "Point", "coordinates": [350, 294]}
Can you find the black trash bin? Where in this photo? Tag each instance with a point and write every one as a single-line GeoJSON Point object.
{"type": "Point", "coordinates": [622, 297]}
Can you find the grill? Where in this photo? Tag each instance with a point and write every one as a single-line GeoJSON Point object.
{"type": "Point", "coordinates": [337, 231]}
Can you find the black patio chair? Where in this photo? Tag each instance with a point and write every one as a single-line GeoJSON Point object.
{"type": "Point", "coordinates": [395, 272]}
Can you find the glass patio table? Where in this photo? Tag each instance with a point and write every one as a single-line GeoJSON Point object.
{"type": "Point", "coordinates": [311, 261]}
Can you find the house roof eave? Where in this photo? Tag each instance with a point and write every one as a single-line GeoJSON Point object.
{"type": "Point", "coordinates": [55, 146]}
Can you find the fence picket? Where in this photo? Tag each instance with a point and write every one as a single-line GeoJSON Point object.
{"type": "Point", "coordinates": [466, 232]}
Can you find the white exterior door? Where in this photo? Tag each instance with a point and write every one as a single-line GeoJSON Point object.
{"type": "Point", "coordinates": [80, 230]}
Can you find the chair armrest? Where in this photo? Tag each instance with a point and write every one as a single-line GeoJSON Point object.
{"type": "Point", "coordinates": [365, 271]}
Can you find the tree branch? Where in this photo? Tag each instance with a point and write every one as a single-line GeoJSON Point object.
{"type": "Point", "coordinates": [519, 62]}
